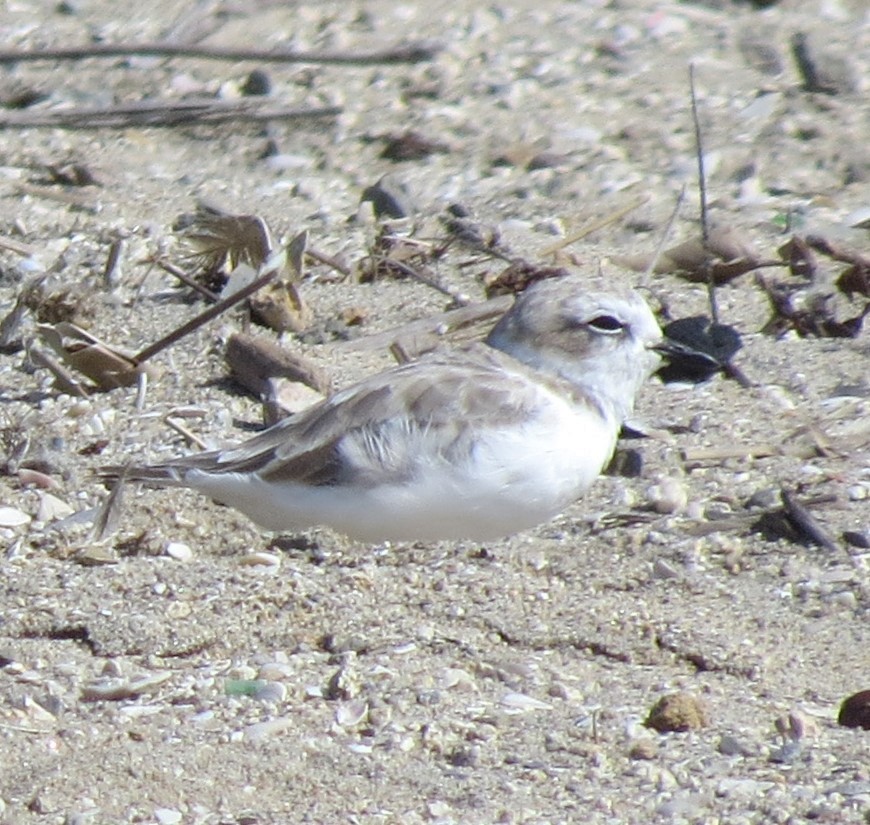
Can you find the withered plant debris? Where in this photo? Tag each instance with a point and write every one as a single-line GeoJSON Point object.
{"type": "Point", "coordinates": [10, 325]}
{"type": "Point", "coordinates": [799, 257]}
{"type": "Point", "coordinates": [263, 278]}
{"type": "Point", "coordinates": [280, 305]}
{"type": "Point", "coordinates": [518, 276]}
{"type": "Point", "coordinates": [807, 312]}
{"type": "Point", "coordinates": [726, 256]}
{"type": "Point", "coordinates": [53, 306]}
{"type": "Point", "coordinates": [411, 145]}
{"type": "Point", "coordinates": [855, 279]}
{"type": "Point", "coordinates": [64, 380]}
{"type": "Point", "coordinates": [72, 173]}
{"type": "Point", "coordinates": [598, 222]}
{"type": "Point", "coordinates": [402, 256]}
{"type": "Point", "coordinates": [107, 367]}
{"type": "Point", "coordinates": [794, 522]}
{"type": "Point", "coordinates": [108, 515]}
{"type": "Point", "coordinates": [216, 281]}
{"type": "Point", "coordinates": [805, 522]}
{"type": "Point", "coordinates": [15, 441]}
{"type": "Point", "coordinates": [220, 239]}
{"type": "Point", "coordinates": [389, 251]}
{"type": "Point", "coordinates": [463, 229]}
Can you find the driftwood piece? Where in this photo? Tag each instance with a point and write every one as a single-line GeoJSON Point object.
{"type": "Point", "coordinates": [253, 360]}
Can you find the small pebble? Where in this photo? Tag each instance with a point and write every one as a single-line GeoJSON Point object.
{"type": "Point", "coordinates": [732, 746]}
{"type": "Point", "coordinates": [664, 570]}
{"type": "Point", "coordinates": [167, 816]}
{"type": "Point", "coordinates": [179, 551]}
{"type": "Point", "coordinates": [858, 492]}
{"type": "Point", "coordinates": [264, 730]}
{"type": "Point", "coordinates": [257, 82]}
{"type": "Point", "coordinates": [643, 749]}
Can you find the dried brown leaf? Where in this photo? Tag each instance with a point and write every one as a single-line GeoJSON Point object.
{"type": "Point", "coordinates": [797, 254]}
{"type": "Point", "coordinates": [106, 366]}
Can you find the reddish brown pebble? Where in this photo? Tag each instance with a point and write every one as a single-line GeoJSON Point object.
{"type": "Point", "coordinates": [678, 712]}
{"type": "Point", "coordinates": [855, 711]}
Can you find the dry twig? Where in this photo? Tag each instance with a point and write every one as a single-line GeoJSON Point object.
{"type": "Point", "coordinates": [161, 113]}
{"type": "Point", "coordinates": [403, 53]}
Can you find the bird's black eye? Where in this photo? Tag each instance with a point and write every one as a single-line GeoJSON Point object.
{"type": "Point", "coordinates": [606, 323]}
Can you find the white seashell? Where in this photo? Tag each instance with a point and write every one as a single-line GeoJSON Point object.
{"type": "Point", "coordinates": [51, 508]}
{"type": "Point", "coordinates": [260, 559]}
{"type": "Point", "coordinates": [11, 517]}
{"type": "Point", "coordinates": [350, 714]}
{"type": "Point", "coordinates": [523, 702]}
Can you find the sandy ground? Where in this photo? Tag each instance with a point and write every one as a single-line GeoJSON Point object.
{"type": "Point", "coordinates": [190, 669]}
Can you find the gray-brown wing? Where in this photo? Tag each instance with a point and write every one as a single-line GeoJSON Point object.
{"type": "Point", "coordinates": [370, 431]}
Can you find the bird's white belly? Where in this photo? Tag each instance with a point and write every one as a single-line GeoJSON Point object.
{"type": "Point", "coordinates": [514, 478]}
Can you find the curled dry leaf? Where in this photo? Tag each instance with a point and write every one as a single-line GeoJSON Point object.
{"type": "Point", "coordinates": [801, 261]}
{"type": "Point", "coordinates": [855, 280]}
{"type": "Point", "coordinates": [106, 366]}
{"type": "Point", "coordinates": [726, 256]}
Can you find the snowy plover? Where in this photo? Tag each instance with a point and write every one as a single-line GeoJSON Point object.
{"type": "Point", "coordinates": [474, 443]}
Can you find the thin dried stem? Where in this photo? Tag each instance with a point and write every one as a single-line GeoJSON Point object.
{"type": "Point", "coordinates": [651, 267]}
{"type": "Point", "coordinates": [598, 223]}
{"type": "Point", "coordinates": [160, 113]}
{"type": "Point", "coordinates": [702, 193]}
{"type": "Point", "coordinates": [182, 276]}
{"type": "Point", "coordinates": [403, 53]}
{"type": "Point", "coordinates": [204, 317]}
